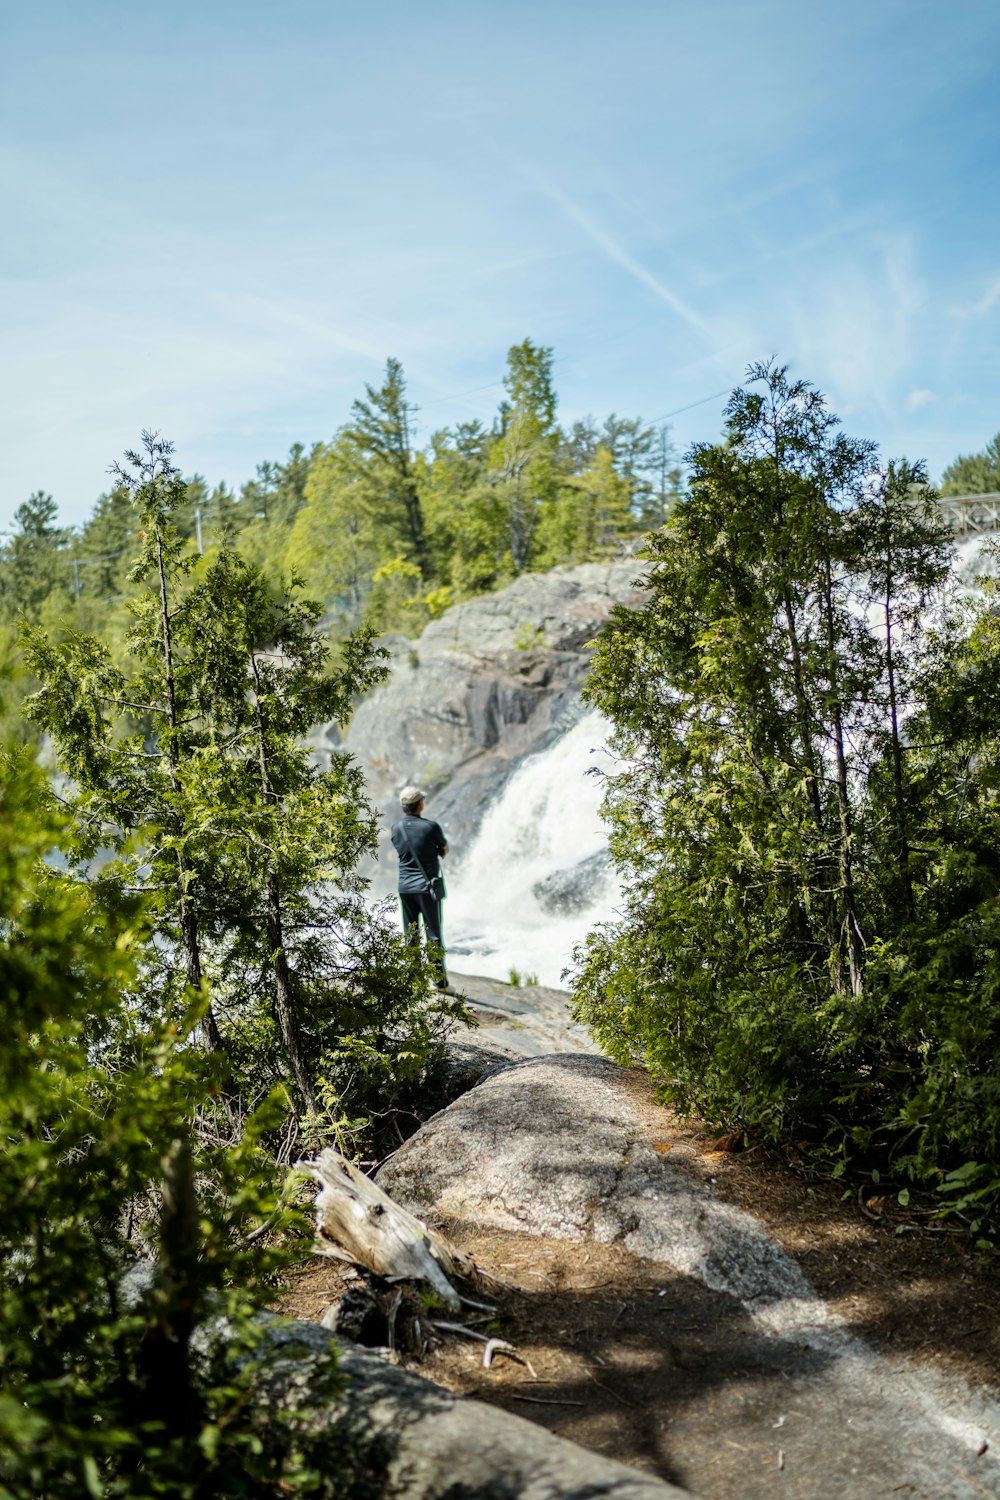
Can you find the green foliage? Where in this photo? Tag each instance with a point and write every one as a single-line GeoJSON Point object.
{"type": "Point", "coordinates": [275, 496]}
{"type": "Point", "coordinates": [379, 439]}
{"type": "Point", "coordinates": [974, 473]}
{"type": "Point", "coordinates": [524, 452]}
{"type": "Point", "coordinates": [35, 572]}
{"type": "Point", "coordinates": [466, 518]}
{"type": "Point", "coordinates": [102, 1393]}
{"type": "Point", "coordinates": [378, 529]}
{"type": "Point", "coordinates": [589, 515]}
{"type": "Point", "coordinates": [334, 543]}
{"type": "Point", "coordinates": [190, 771]}
{"type": "Point", "coordinates": [806, 814]}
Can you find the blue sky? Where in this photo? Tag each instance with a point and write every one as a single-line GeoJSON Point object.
{"type": "Point", "coordinates": [219, 219]}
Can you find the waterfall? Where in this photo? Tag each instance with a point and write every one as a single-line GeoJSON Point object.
{"type": "Point", "coordinates": [536, 878]}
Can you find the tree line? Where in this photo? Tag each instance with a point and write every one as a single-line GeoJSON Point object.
{"type": "Point", "coordinates": [377, 527]}
{"type": "Point", "coordinates": [974, 473]}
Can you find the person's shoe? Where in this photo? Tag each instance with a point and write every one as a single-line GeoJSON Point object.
{"type": "Point", "coordinates": [445, 987]}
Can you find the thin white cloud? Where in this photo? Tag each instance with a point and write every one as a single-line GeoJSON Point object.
{"type": "Point", "coordinates": [922, 397]}
{"type": "Point", "coordinates": [272, 315]}
{"type": "Point", "coordinates": [990, 299]}
{"type": "Point", "coordinates": [853, 325]}
{"type": "Point", "coordinates": [985, 305]}
{"type": "Point", "coordinates": [617, 253]}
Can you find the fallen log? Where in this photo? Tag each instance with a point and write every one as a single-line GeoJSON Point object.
{"type": "Point", "coordinates": [357, 1219]}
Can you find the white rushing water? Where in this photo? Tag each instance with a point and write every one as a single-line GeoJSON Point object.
{"type": "Point", "coordinates": [545, 820]}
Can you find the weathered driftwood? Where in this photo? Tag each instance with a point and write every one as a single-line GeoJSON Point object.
{"type": "Point", "coordinates": [357, 1216]}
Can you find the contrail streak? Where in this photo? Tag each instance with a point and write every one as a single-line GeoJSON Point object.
{"type": "Point", "coordinates": [620, 256]}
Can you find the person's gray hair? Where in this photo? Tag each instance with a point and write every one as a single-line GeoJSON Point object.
{"type": "Point", "coordinates": [410, 797]}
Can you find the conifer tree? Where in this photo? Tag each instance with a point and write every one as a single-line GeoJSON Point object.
{"type": "Point", "coordinates": [106, 544]}
{"type": "Point", "coordinates": [336, 542]}
{"type": "Point", "coordinates": [34, 570]}
{"type": "Point", "coordinates": [100, 1390]}
{"type": "Point", "coordinates": [590, 515]}
{"type": "Point", "coordinates": [764, 814]}
{"type": "Point", "coordinates": [379, 430]}
{"type": "Point", "coordinates": [191, 768]}
{"type": "Point", "coordinates": [974, 473]}
{"type": "Point", "coordinates": [524, 453]}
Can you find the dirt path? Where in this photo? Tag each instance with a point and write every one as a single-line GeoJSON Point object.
{"type": "Point", "coordinates": [653, 1368]}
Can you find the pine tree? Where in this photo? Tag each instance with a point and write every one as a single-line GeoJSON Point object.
{"type": "Point", "coordinates": [379, 430]}
{"type": "Point", "coordinates": [106, 545]}
{"type": "Point", "coordinates": [133, 785]}
{"type": "Point", "coordinates": [34, 565]}
{"type": "Point", "coordinates": [523, 458]}
{"type": "Point", "coordinates": [590, 515]}
{"type": "Point", "coordinates": [974, 473]}
{"type": "Point", "coordinates": [466, 518]}
{"type": "Point", "coordinates": [335, 544]}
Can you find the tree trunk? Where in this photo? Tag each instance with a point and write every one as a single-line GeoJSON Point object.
{"type": "Point", "coordinates": [284, 1002]}
{"type": "Point", "coordinates": [810, 761]}
{"type": "Point", "coordinates": [902, 832]}
{"type": "Point", "coordinates": [284, 998]}
{"type": "Point", "coordinates": [845, 839]}
{"type": "Point", "coordinates": [167, 1387]}
{"type": "Point", "coordinates": [415, 522]}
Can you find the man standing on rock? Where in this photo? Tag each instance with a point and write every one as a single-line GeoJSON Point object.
{"type": "Point", "coordinates": [420, 843]}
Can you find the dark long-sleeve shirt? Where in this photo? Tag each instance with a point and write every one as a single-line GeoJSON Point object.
{"type": "Point", "coordinates": [416, 868]}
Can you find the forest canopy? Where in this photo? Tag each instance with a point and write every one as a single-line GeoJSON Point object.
{"type": "Point", "coordinates": [195, 987]}
{"type": "Point", "coordinates": [377, 528]}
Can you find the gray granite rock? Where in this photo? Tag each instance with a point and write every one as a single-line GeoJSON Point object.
{"type": "Point", "coordinates": [493, 680]}
{"type": "Point", "coordinates": [386, 1433]}
{"type": "Point", "coordinates": [553, 1146]}
{"type": "Point", "coordinates": [568, 892]}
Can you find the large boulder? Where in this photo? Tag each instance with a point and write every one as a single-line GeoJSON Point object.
{"type": "Point", "coordinates": [781, 1396]}
{"type": "Point", "coordinates": [554, 1146]}
{"type": "Point", "coordinates": [567, 892]}
{"type": "Point", "coordinates": [389, 1435]}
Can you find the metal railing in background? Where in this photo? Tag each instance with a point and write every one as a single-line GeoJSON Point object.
{"type": "Point", "coordinates": [968, 515]}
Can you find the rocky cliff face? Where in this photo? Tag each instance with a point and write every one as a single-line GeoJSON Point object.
{"type": "Point", "coordinates": [493, 680]}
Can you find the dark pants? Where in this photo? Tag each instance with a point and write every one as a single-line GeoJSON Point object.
{"type": "Point", "coordinates": [422, 904]}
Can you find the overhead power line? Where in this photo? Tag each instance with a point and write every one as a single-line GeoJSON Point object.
{"type": "Point", "coordinates": [496, 384]}
{"type": "Point", "coordinates": [690, 406]}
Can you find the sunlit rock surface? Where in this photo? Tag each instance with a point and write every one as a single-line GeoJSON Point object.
{"type": "Point", "coordinates": [484, 712]}
{"type": "Point", "coordinates": [491, 681]}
